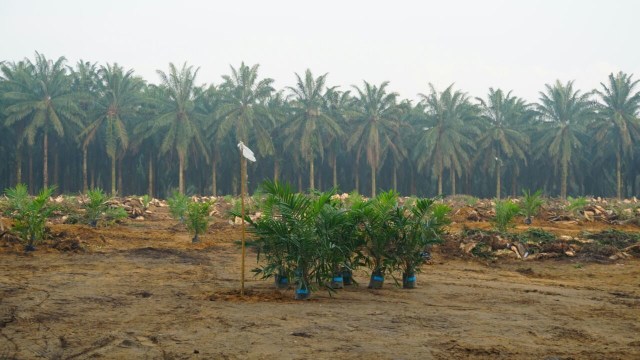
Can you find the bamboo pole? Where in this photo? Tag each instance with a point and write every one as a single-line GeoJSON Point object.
{"type": "Point", "coordinates": [243, 179]}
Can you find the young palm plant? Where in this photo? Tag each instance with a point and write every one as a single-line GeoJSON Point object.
{"type": "Point", "coordinates": [531, 204]}
{"type": "Point", "coordinates": [178, 205]}
{"type": "Point", "coordinates": [506, 211]}
{"type": "Point", "coordinates": [29, 214]}
{"type": "Point", "coordinates": [286, 237]}
{"type": "Point", "coordinates": [335, 228]}
{"type": "Point", "coordinates": [424, 225]}
{"type": "Point", "coordinates": [379, 232]}
{"type": "Point", "coordinates": [197, 218]}
{"type": "Point", "coordinates": [97, 209]}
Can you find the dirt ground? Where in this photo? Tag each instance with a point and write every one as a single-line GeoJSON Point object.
{"type": "Point", "coordinates": [143, 290]}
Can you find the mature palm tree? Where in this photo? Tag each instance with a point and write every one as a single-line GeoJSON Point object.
{"type": "Point", "coordinates": [338, 105]}
{"type": "Point", "coordinates": [10, 81]}
{"type": "Point", "coordinates": [565, 112]}
{"type": "Point", "coordinates": [618, 126]}
{"type": "Point", "coordinates": [84, 83]}
{"type": "Point", "coordinates": [208, 101]}
{"type": "Point", "coordinates": [310, 127]}
{"type": "Point", "coordinates": [243, 110]}
{"type": "Point", "coordinates": [278, 110]}
{"type": "Point", "coordinates": [446, 137]}
{"type": "Point", "coordinates": [120, 99]}
{"type": "Point", "coordinates": [375, 112]}
{"type": "Point", "coordinates": [500, 140]}
{"type": "Point", "coordinates": [177, 120]}
{"type": "Point", "coordinates": [42, 102]}
{"type": "Point", "coordinates": [397, 147]}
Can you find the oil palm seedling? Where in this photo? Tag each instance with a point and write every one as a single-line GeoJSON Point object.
{"type": "Point", "coordinates": [575, 205]}
{"type": "Point", "coordinates": [506, 211]}
{"type": "Point", "coordinates": [531, 204]}
{"type": "Point", "coordinates": [423, 225]}
{"type": "Point", "coordinates": [29, 214]}
{"type": "Point", "coordinates": [378, 232]}
{"type": "Point", "coordinates": [197, 217]}
{"type": "Point", "coordinates": [335, 228]}
{"type": "Point", "coordinates": [97, 209]}
{"type": "Point", "coordinates": [300, 238]}
{"type": "Point", "coordinates": [178, 205]}
{"type": "Point", "coordinates": [286, 237]}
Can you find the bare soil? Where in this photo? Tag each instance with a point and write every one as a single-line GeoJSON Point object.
{"type": "Point", "coordinates": [143, 290]}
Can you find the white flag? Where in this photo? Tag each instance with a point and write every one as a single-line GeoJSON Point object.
{"type": "Point", "coordinates": [246, 152]}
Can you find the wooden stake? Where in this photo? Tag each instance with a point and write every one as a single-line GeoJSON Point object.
{"type": "Point", "coordinates": [243, 176]}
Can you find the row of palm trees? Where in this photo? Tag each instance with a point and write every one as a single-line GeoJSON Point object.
{"type": "Point", "coordinates": [107, 127]}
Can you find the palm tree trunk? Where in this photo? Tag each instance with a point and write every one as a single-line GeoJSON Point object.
{"type": "Point", "coordinates": [31, 170]}
{"type": "Point", "coordinates": [414, 190]}
{"type": "Point", "coordinates": [113, 176]}
{"type": "Point", "coordinates": [373, 180]}
{"type": "Point", "coordinates": [120, 187]}
{"type": "Point", "coordinates": [453, 181]}
{"type": "Point", "coordinates": [563, 184]}
{"type": "Point", "coordinates": [498, 182]}
{"type": "Point", "coordinates": [618, 176]}
{"type": "Point", "coordinates": [93, 178]}
{"type": "Point", "coordinates": [276, 169]}
{"type": "Point", "coordinates": [181, 174]}
{"type": "Point", "coordinates": [514, 184]}
{"type": "Point", "coordinates": [85, 183]}
{"type": "Point", "coordinates": [45, 155]}
{"type": "Point", "coordinates": [335, 172]}
{"type": "Point", "coordinates": [440, 171]}
{"type": "Point", "coordinates": [395, 177]}
{"type": "Point", "coordinates": [300, 182]}
{"type": "Point", "coordinates": [56, 171]}
{"type": "Point", "coordinates": [150, 188]}
{"type": "Point", "coordinates": [357, 180]}
{"type": "Point", "coordinates": [214, 183]}
{"type": "Point", "coordinates": [311, 175]}
{"type": "Point", "coordinates": [467, 182]}
{"type": "Point", "coordinates": [18, 165]}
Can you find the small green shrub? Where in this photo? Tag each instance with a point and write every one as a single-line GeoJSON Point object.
{"type": "Point", "coordinates": [178, 206]}
{"type": "Point", "coordinates": [506, 211]}
{"type": "Point", "coordinates": [197, 218]}
{"type": "Point", "coordinates": [539, 236]}
{"type": "Point", "coordinates": [483, 250]}
{"type": "Point", "coordinates": [29, 214]}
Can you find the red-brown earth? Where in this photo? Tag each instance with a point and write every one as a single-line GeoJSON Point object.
{"type": "Point", "coordinates": [142, 290]}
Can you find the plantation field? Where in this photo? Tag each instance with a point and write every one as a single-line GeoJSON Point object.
{"type": "Point", "coordinates": [142, 290]}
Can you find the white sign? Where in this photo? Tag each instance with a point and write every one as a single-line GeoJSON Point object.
{"type": "Point", "coordinates": [246, 152]}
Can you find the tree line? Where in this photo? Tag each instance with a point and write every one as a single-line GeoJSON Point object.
{"type": "Point", "coordinates": [86, 125]}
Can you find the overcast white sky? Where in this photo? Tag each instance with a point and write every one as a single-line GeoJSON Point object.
{"type": "Point", "coordinates": [514, 45]}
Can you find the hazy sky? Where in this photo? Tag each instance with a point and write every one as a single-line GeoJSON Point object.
{"type": "Point", "coordinates": [515, 45]}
